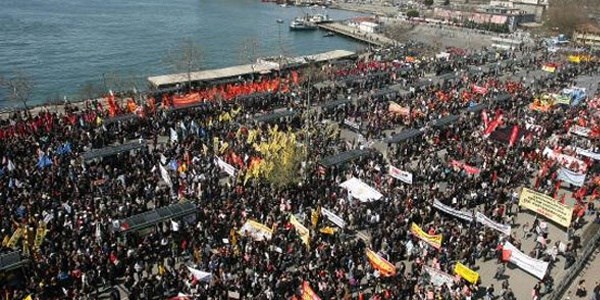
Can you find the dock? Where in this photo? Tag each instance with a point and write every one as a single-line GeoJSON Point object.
{"type": "Point", "coordinates": [374, 39]}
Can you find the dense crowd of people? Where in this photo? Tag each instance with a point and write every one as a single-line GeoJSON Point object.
{"type": "Point", "coordinates": [68, 210]}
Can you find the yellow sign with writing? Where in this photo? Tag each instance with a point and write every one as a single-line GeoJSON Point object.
{"type": "Point", "coordinates": [546, 206]}
{"type": "Point", "coordinates": [433, 240]}
{"type": "Point", "coordinates": [466, 273]}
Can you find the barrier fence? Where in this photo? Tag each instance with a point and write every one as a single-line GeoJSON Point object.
{"type": "Point", "coordinates": [562, 287]}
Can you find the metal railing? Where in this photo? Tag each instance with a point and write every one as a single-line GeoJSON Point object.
{"type": "Point", "coordinates": [562, 287]}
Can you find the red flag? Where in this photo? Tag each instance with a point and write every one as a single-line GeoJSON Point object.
{"type": "Point", "coordinates": [295, 77]}
{"type": "Point", "coordinates": [556, 188]}
{"type": "Point", "coordinates": [493, 125]}
{"type": "Point", "coordinates": [513, 136]}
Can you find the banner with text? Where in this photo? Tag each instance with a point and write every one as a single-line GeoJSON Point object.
{"type": "Point", "coordinates": [438, 278]}
{"type": "Point", "coordinates": [434, 240]}
{"type": "Point", "coordinates": [546, 206]}
{"type": "Point", "coordinates": [256, 230]}
{"type": "Point", "coordinates": [571, 177]}
{"type": "Point", "coordinates": [386, 268]}
{"type": "Point", "coordinates": [406, 177]}
{"type": "Point", "coordinates": [483, 219]}
{"type": "Point", "coordinates": [335, 219]}
{"type": "Point", "coordinates": [467, 216]}
{"type": "Point", "coordinates": [530, 265]}
{"type": "Point", "coordinates": [466, 273]}
{"type": "Point", "coordinates": [588, 153]}
{"type": "Point", "coordinates": [303, 232]}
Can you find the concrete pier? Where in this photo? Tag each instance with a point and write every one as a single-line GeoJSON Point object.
{"type": "Point", "coordinates": [351, 32]}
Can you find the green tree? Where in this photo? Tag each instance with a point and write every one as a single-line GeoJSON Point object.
{"type": "Point", "coordinates": [428, 2]}
{"type": "Point", "coordinates": [446, 2]}
{"type": "Point", "coordinates": [412, 13]}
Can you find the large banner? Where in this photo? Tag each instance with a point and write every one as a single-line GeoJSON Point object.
{"type": "Point", "coordinates": [466, 273]}
{"type": "Point", "coordinates": [308, 293]}
{"type": "Point", "coordinates": [530, 265]}
{"type": "Point", "coordinates": [303, 232]}
{"type": "Point", "coordinates": [406, 177]}
{"type": "Point", "coordinates": [386, 269]}
{"type": "Point", "coordinates": [571, 177]}
{"type": "Point", "coordinates": [467, 216]}
{"type": "Point", "coordinates": [469, 169]}
{"type": "Point", "coordinates": [588, 153]}
{"type": "Point", "coordinates": [566, 160]}
{"type": "Point", "coordinates": [227, 168]}
{"type": "Point", "coordinates": [546, 206]}
{"type": "Point", "coordinates": [438, 278]}
{"type": "Point", "coordinates": [335, 219]}
{"type": "Point", "coordinates": [256, 230]}
{"type": "Point", "coordinates": [434, 240]}
{"type": "Point", "coordinates": [360, 190]}
{"type": "Point", "coordinates": [581, 131]}
{"type": "Point", "coordinates": [483, 219]}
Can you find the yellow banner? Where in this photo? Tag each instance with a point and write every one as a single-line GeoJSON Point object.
{"type": "Point", "coordinates": [257, 230]}
{"type": "Point", "coordinates": [433, 240]}
{"type": "Point", "coordinates": [14, 239]}
{"type": "Point", "coordinates": [314, 217]}
{"type": "Point", "coordinates": [466, 273]}
{"type": "Point", "coordinates": [40, 233]}
{"type": "Point", "coordinates": [328, 230]}
{"type": "Point", "coordinates": [546, 206]}
{"type": "Point", "coordinates": [308, 293]}
{"type": "Point", "coordinates": [385, 267]}
{"type": "Point", "coordinates": [301, 229]}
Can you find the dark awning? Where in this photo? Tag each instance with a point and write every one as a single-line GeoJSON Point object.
{"type": "Point", "coordinates": [11, 261]}
{"type": "Point", "coordinates": [276, 116]}
{"type": "Point", "coordinates": [445, 121]}
{"type": "Point", "coordinates": [112, 150]}
{"type": "Point", "coordinates": [191, 106]}
{"type": "Point", "coordinates": [253, 96]}
{"type": "Point", "coordinates": [503, 134]}
{"type": "Point", "coordinates": [404, 135]}
{"type": "Point", "coordinates": [341, 158]}
{"type": "Point", "coordinates": [502, 97]}
{"type": "Point", "coordinates": [336, 103]}
{"type": "Point", "coordinates": [156, 216]}
{"type": "Point", "coordinates": [121, 118]}
{"type": "Point", "coordinates": [476, 108]}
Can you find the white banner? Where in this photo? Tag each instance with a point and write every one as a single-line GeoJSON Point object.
{"type": "Point", "coordinates": [257, 231]}
{"type": "Point", "coordinates": [406, 177]}
{"type": "Point", "coordinates": [165, 175]}
{"type": "Point", "coordinates": [588, 153]}
{"type": "Point", "coordinates": [571, 177]}
{"type": "Point", "coordinates": [565, 160]}
{"type": "Point", "coordinates": [467, 216]}
{"type": "Point", "coordinates": [580, 130]}
{"type": "Point", "coordinates": [200, 275]}
{"type": "Point", "coordinates": [227, 168]}
{"type": "Point", "coordinates": [335, 219]}
{"type": "Point", "coordinates": [530, 265]}
{"type": "Point", "coordinates": [360, 190]}
{"type": "Point", "coordinates": [439, 278]}
{"type": "Point", "coordinates": [483, 219]}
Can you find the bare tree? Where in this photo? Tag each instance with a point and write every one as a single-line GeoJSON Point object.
{"type": "Point", "coordinates": [249, 52]}
{"type": "Point", "coordinates": [185, 58]}
{"type": "Point", "coordinates": [565, 16]}
{"type": "Point", "coordinates": [90, 90]}
{"type": "Point", "coordinates": [18, 87]}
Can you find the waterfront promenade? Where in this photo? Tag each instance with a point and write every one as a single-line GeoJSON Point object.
{"type": "Point", "coordinates": [351, 32]}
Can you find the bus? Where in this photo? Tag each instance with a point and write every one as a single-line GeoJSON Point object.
{"type": "Point", "coordinates": [506, 44]}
